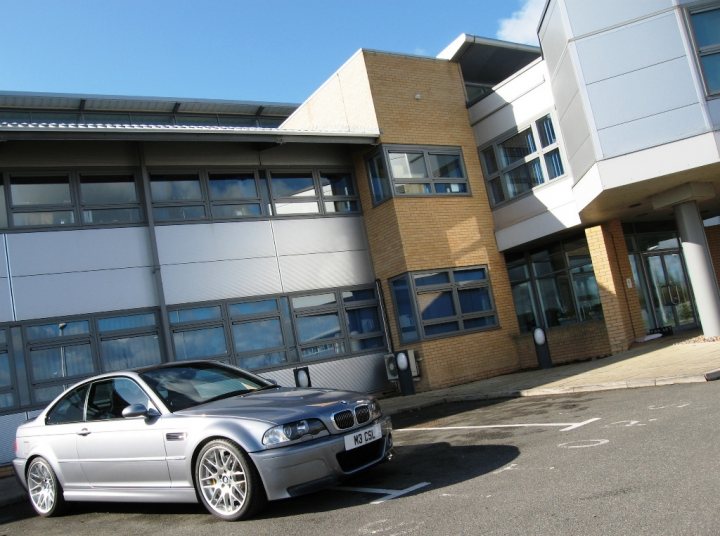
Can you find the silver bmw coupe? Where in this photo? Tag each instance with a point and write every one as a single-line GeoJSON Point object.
{"type": "Point", "coordinates": [195, 431]}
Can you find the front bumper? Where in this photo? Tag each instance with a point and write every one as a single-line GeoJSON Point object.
{"type": "Point", "coordinates": [298, 469]}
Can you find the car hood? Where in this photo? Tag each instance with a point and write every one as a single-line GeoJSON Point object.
{"type": "Point", "coordinates": [280, 405]}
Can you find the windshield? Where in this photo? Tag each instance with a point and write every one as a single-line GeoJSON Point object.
{"type": "Point", "coordinates": [184, 386]}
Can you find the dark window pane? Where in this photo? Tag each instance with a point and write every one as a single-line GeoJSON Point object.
{"type": "Point", "coordinates": [236, 211]}
{"type": "Point", "coordinates": [253, 307]}
{"type": "Point", "coordinates": [70, 409]}
{"type": "Point", "coordinates": [60, 329]}
{"type": "Point", "coordinates": [61, 362]}
{"type": "Point", "coordinates": [28, 191]}
{"type": "Point", "coordinates": [175, 188]}
{"type": "Point", "coordinates": [263, 360]}
{"type": "Point", "coordinates": [182, 213]}
{"type": "Point", "coordinates": [318, 327]}
{"type": "Point", "coordinates": [233, 186]}
{"type": "Point", "coordinates": [711, 68]}
{"type": "Point", "coordinates": [336, 184]}
{"type": "Point", "coordinates": [332, 207]}
{"type": "Point", "coordinates": [362, 321]}
{"type": "Point", "coordinates": [379, 178]}
{"type": "Point", "coordinates": [130, 352]}
{"type": "Point", "coordinates": [524, 306]}
{"type": "Point", "coordinates": [556, 299]}
{"type": "Point", "coordinates": [404, 310]}
{"type": "Point", "coordinates": [450, 187]}
{"type": "Point", "coordinates": [413, 188]}
{"type": "Point", "coordinates": [496, 191]}
{"type": "Point", "coordinates": [29, 219]}
{"type": "Point", "coordinates": [437, 278]}
{"type": "Point", "coordinates": [5, 378]}
{"type": "Point", "coordinates": [112, 215]}
{"type": "Point", "coordinates": [439, 329]}
{"type": "Point", "coordinates": [436, 305]}
{"type": "Point", "coordinates": [118, 323]}
{"type": "Point", "coordinates": [358, 345]}
{"type": "Point", "coordinates": [546, 131]}
{"type": "Point", "coordinates": [198, 314]}
{"type": "Point", "coordinates": [522, 179]}
{"type": "Point", "coordinates": [554, 164]}
{"type": "Point", "coordinates": [316, 300]}
{"type": "Point", "coordinates": [474, 300]}
{"type": "Point", "coordinates": [482, 322]}
{"type": "Point", "coordinates": [104, 190]}
{"type": "Point", "coordinates": [407, 165]}
{"type": "Point", "coordinates": [519, 272]}
{"type": "Point", "coordinates": [517, 147]}
{"type": "Point", "coordinates": [7, 400]}
{"type": "Point", "coordinates": [358, 295]}
{"type": "Point", "coordinates": [472, 275]}
{"type": "Point", "coordinates": [489, 161]}
{"type": "Point", "coordinates": [445, 165]}
{"type": "Point", "coordinates": [293, 185]}
{"type": "Point", "coordinates": [200, 343]}
{"type": "Point", "coordinates": [257, 335]}
{"type": "Point", "coordinates": [3, 337]}
{"type": "Point", "coordinates": [707, 27]}
{"type": "Point", "coordinates": [322, 351]}
{"type": "Point", "coordinates": [548, 261]}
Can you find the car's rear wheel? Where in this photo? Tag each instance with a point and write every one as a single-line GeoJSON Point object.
{"type": "Point", "coordinates": [45, 491]}
{"type": "Point", "coordinates": [227, 482]}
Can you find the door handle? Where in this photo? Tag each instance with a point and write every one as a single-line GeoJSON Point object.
{"type": "Point", "coordinates": [84, 432]}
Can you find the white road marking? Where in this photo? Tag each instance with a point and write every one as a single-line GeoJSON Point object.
{"type": "Point", "coordinates": [626, 423]}
{"type": "Point", "coordinates": [566, 426]}
{"type": "Point", "coordinates": [584, 444]}
{"type": "Point", "coordinates": [508, 468]}
{"type": "Point", "coordinates": [388, 493]}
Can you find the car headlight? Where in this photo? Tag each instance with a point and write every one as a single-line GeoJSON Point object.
{"type": "Point", "coordinates": [375, 411]}
{"type": "Point", "coordinates": [284, 433]}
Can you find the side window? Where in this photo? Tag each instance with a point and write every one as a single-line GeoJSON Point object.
{"type": "Point", "coordinates": [108, 398]}
{"type": "Point", "coordinates": [69, 408]}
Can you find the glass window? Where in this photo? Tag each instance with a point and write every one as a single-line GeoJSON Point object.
{"type": "Point", "coordinates": [293, 185]}
{"type": "Point", "coordinates": [109, 216]}
{"type": "Point", "coordinates": [165, 188]}
{"type": "Point", "coordinates": [318, 327]}
{"type": "Point", "coordinates": [363, 321]}
{"type": "Point", "coordinates": [489, 161]}
{"type": "Point", "coordinates": [5, 373]}
{"type": "Point", "coordinates": [179, 213]}
{"type": "Point", "coordinates": [445, 165]}
{"type": "Point", "coordinates": [315, 300]}
{"type": "Point", "coordinates": [407, 165]}
{"type": "Point", "coordinates": [71, 408]}
{"type": "Point", "coordinates": [379, 180]}
{"type": "Point", "coordinates": [517, 147]}
{"type": "Point", "coordinates": [130, 352]}
{"type": "Point", "coordinates": [56, 218]}
{"type": "Point", "coordinates": [61, 362]}
{"type": "Point", "coordinates": [108, 398]}
{"type": "Point", "coordinates": [436, 278]}
{"type": "Point", "coordinates": [257, 335]}
{"type": "Point", "coordinates": [30, 191]}
{"type": "Point", "coordinates": [247, 210]}
{"type": "Point", "coordinates": [232, 186]}
{"type": "Point", "coordinates": [59, 329]}
{"type": "Point", "coordinates": [199, 343]}
{"type": "Point", "coordinates": [336, 185]}
{"type": "Point", "coordinates": [107, 190]}
{"type": "Point", "coordinates": [197, 314]}
{"type": "Point", "coordinates": [404, 310]}
{"type": "Point", "coordinates": [120, 323]}
{"type": "Point", "coordinates": [705, 23]}
{"type": "Point", "coordinates": [436, 305]}
{"type": "Point", "coordinates": [546, 131]}
{"type": "Point", "coordinates": [253, 307]}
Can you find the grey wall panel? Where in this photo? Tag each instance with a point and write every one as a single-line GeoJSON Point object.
{"type": "Point", "coordinates": [78, 250]}
{"type": "Point", "coordinates": [297, 154]}
{"type": "Point", "coordinates": [564, 85]}
{"type": "Point", "coordinates": [574, 127]}
{"type": "Point", "coordinates": [68, 154]}
{"type": "Point", "coordinates": [651, 131]}
{"type": "Point", "coordinates": [8, 427]}
{"type": "Point", "coordinates": [319, 235]}
{"type": "Point", "coordinates": [6, 312]}
{"type": "Point", "coordinates": [631, 48]}
{"type": "Point", "coordinates": [553, 36]}
{"type": "Point", "coordinates": [326, 270]}
{"type": "Point", "coordinates": [650, 91]}
{"type": "Point", "coordinates": [583, 159]}
{"type": "Point", "coordinates": [219, 280]}
{"type": "Point", "coordinates": [364, 374]}
{"type": "Point", "coordinates": [588, 17]}
{"type": "Point", "coordinates": [40, 296]}
{"type": "Point", "coordinates": [179, 244]}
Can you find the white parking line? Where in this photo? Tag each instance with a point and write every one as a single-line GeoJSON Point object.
{"type": "Point", "coordinates": [565, 426]}
{"type": "Point", "coordinates": [388, 493]}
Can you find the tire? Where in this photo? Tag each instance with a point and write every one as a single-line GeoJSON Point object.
{"type": "Point", "coordinates": [44, 490]}
{"type": "Point", "coordinates": [227, 482]}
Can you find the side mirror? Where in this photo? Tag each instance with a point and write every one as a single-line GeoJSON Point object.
{"type": "Point", "coordinates": [139, 410]}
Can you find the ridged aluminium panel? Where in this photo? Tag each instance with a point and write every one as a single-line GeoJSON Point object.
{"type": "Point", "coordinates": [319, 235]}
{"type": "Point", "coordinates": [586, 17]}
{"type": "Point", "coordinates": [365, 374]}
{"type": "Point", "coordinates": [326, 270]}
{"type": "Point", "coordinates": [216, 280]}
{"type": "Point", "coordinates": [180, 244]}
{"type": "Point", "coordinates": [8, 427]}
{"type": "Point", "coordinates": [46, 295]}
{"type": "Point", "coordinates": [78, 251]}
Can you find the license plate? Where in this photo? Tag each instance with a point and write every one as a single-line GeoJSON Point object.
{"type": "Point", "coordinates": [362, 437]}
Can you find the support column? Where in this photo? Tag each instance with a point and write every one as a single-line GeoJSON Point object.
{"type": "Point", "coordinates": [699, 266]}
{"type": "Point", "coordinates": [619, 298]}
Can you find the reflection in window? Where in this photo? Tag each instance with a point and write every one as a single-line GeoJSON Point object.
{"type": "Point", "coordinates": [706, 24]}
{"type": "Point", "coordinates": [199, 343]}
{"type": "Point", "coordinates": [61, 362]}
{"type": "Point", "coordinates": [175, 188]}
{"type": "Point", "coordinates": [257, 335]}
{"type": "Point", "coordinates": [40, 191]}
{"type": "Point", "coordinates": [130, 352]}
{"type": "Point", "coordinates": [109, 192]}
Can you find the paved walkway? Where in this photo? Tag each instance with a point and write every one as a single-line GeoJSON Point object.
{"type": "Point", "coordinates": [664, 361]}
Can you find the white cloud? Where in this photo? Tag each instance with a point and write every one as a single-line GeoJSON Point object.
{"type": "Point", "coordinates": [522, 25]}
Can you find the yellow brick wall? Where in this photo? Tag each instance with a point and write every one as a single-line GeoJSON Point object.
{"type": "Point", "coordinates": [621, 305]}
{"type": "Point", "coordinates": [420, 101]}
{"type": "Point", "coordinates": [573, 342]}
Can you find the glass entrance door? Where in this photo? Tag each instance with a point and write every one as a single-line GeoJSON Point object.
{"type": "Point", "coordinates": [670, 295]}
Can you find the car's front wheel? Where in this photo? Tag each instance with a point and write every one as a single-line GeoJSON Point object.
{"type": "Point", "coordinates": [45, 492]}
{"type": "Point", "coordinates": [227, 482]}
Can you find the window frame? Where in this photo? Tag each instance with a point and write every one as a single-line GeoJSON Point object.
{"type": "Point", "coordinates": [6, 348]}
{"type": "Point", "coordinates": [540, 154]}
{"type": "Point", "coordinates": [453, 286]}
{"type": "Point", "coordinates": [700, 52]}
{"type": "Point", "coordinates": [389, 183]}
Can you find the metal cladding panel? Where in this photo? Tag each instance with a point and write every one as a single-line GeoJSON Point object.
{"type": "Point", "coordinates": [364, 374]}
{"type": "Point", "coordinates": [631, 48]}
{"type": "Point", "coordinates": [6, 312]}
{"type": "Point", "coordinates": [179, 244]}
{"type": "Point", "coordinates": [8, 427]}
{"type": "Point", "coordinates": [326, 270]}
{"type": "Point", "coordinates": [586, 17]}
{"type": "Point", "coordinates": [41, 296]}
{"type": "Point", "coordinates": [3, 258]}
{"type": "Point", "coordinates": [204, 281]}
{"type": "Point", "coordinates": [78, 251]}
{"type": "Point", "coordinates": [320, 235]}
{"type": "Point", "coordinates": [553, 36]}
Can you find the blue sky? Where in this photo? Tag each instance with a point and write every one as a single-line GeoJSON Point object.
{"type": "Point", "coordinates": [271, 50]}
